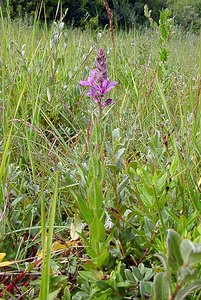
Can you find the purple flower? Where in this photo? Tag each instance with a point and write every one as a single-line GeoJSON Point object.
{"type": "Point", "coordinates": [90, 80]}
{"type": "Point", "coordinates": [98, 83]}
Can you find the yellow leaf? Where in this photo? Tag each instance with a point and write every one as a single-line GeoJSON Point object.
{"type": "Point", "coordinates": [58, 246]}
{"type": "Point", "coordinates": [2, 255]}
{"type": "Point", "coordinates": [76, 227]}
{"type": "Point", "coordinates": [6, 263]}
{"type": "Point", "coordinates": [40, 254]}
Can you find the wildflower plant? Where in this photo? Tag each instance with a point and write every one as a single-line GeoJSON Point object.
{"type": "Point", "coordinates": [98, 82]}
{"type": "Point", "coordinates": [126, 179]}
{"type": "Point", "coordinates": [92, 208]}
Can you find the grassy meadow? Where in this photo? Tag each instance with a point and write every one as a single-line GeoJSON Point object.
{"type": "Point", "coordinates": [101, 207]}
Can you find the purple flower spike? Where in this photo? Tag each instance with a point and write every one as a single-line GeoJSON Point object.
{"type": "Point", "coordinates": [98, 82]}
{"type": "Point", "coordinates": [101, 65]}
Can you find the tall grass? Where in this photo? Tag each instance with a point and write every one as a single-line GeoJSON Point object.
{"type": "Point", "coordinates": [151, 148]}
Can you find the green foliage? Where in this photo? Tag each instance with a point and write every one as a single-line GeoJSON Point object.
{"type": "Point", "coordinates": [187, 14]}
{"type": "Point", "coordinates": [124, 12]}
{"type": "Point", "coordinates": [164, 29]}
{"type": "Point", "coordinates": [91, 13]}
{"type": "Point", "coordinates": [79, 12]}
{"type": "Point", "coordinates": [182, 256]}
{"type": "Point", "coordinates": [122, 283]}
{"type": "Point", "coordinates": [111, 190]}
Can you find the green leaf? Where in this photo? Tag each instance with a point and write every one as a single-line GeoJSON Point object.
{"type": "Point", "coordinates": [161, 182]}
{"type": "Point", "coordinates": [148, 178]}
{"type": "Point", "coordinates": [174, 166]}
{"type": "Point", "coordinates": [191, 253]}
{"type": "Point", "coordinates": [186, 275]}
{"type": "Point", "coordinates": [119, 277]}
{"type": "Point", "coordinates": [173, 248]}
{"type": "Point", "coordinates": [172, 215]}
{"type": "Point", "coordinates": [84, 209]}
{"type": "Point", "coordinates": [94, 168]}
{"type": "Point", "coordinates": [125, 284]}
{"type": "Point", "coordinates": [97, 230]}
{"type": "Point", "coordinates": [102, 259]}
{"type": "Point", "coordinates": [163, 31]}
{"type": "Point", "coordinates": [95, 196]}
{"type": "Point", "coordinates": [58, 61]}
{"type": "Point", "coordinates": [129, 275]}
{"type": "Point", "coordinates": [53, 295]}
{"type": "Point", "coordinates": [112, 167]}
{"type": "Point", "coordinates": [123, 184]}
{"type": "Point", "coordinates": [101, 295]}
{"type": "Point", "coordinates": [102, 285]}
{"type": "Point", "coordinates": [145, 289]}
{"type": "Point", "coordinates": [66, 295]}
{"type": "Point", "coordinates": [137, 273]}
{"type": "Point", "coordinates": [146, 198]}
{"type": "Point", "coordinates": [109, 149]}
{"type": "Point", "coordinates": [163, 260]}
{"type": "Point", "coordinates": [197, 240]}
{"type": "Point", "coordinates": [132, 168]}
{"type": "Point", "coordinates": [148, 274]}
{"type": "Point", "coordinates": [182, 294]}
{"type": "Point", "coordinates": [118, 155]}
{"type": "Point", "coordinates": [160, 287]}
{"type": "Point", "coordinates": [88, 276]}
{"type": "Point", "coordinates": [148, 227]}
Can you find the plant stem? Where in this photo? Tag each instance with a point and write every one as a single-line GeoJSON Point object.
{"type": "Point", "coordinates": [44, 292]}
{"type": "Point", "coordinates": [159, 211]}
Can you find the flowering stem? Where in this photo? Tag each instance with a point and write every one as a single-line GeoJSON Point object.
{"type": "Point", "coordinates": [98, 82]}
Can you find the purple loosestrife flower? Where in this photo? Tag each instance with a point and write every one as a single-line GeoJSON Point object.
{"type": "Point", "coordinates": [98, 82]}
{"type": "Point", "coordinates": [101, 65]}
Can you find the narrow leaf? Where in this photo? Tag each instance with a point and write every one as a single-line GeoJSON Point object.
{"type": "Point", "coordinates": [160, 287]}
{"type": "Point", "coordinates": [6, 263]}
{"type": "Point", "coordinates": [173, 248]}
{"type": "Point", "coordinates": [182, 294]}
{"type": "Point", "coordinates": [191, 253]}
